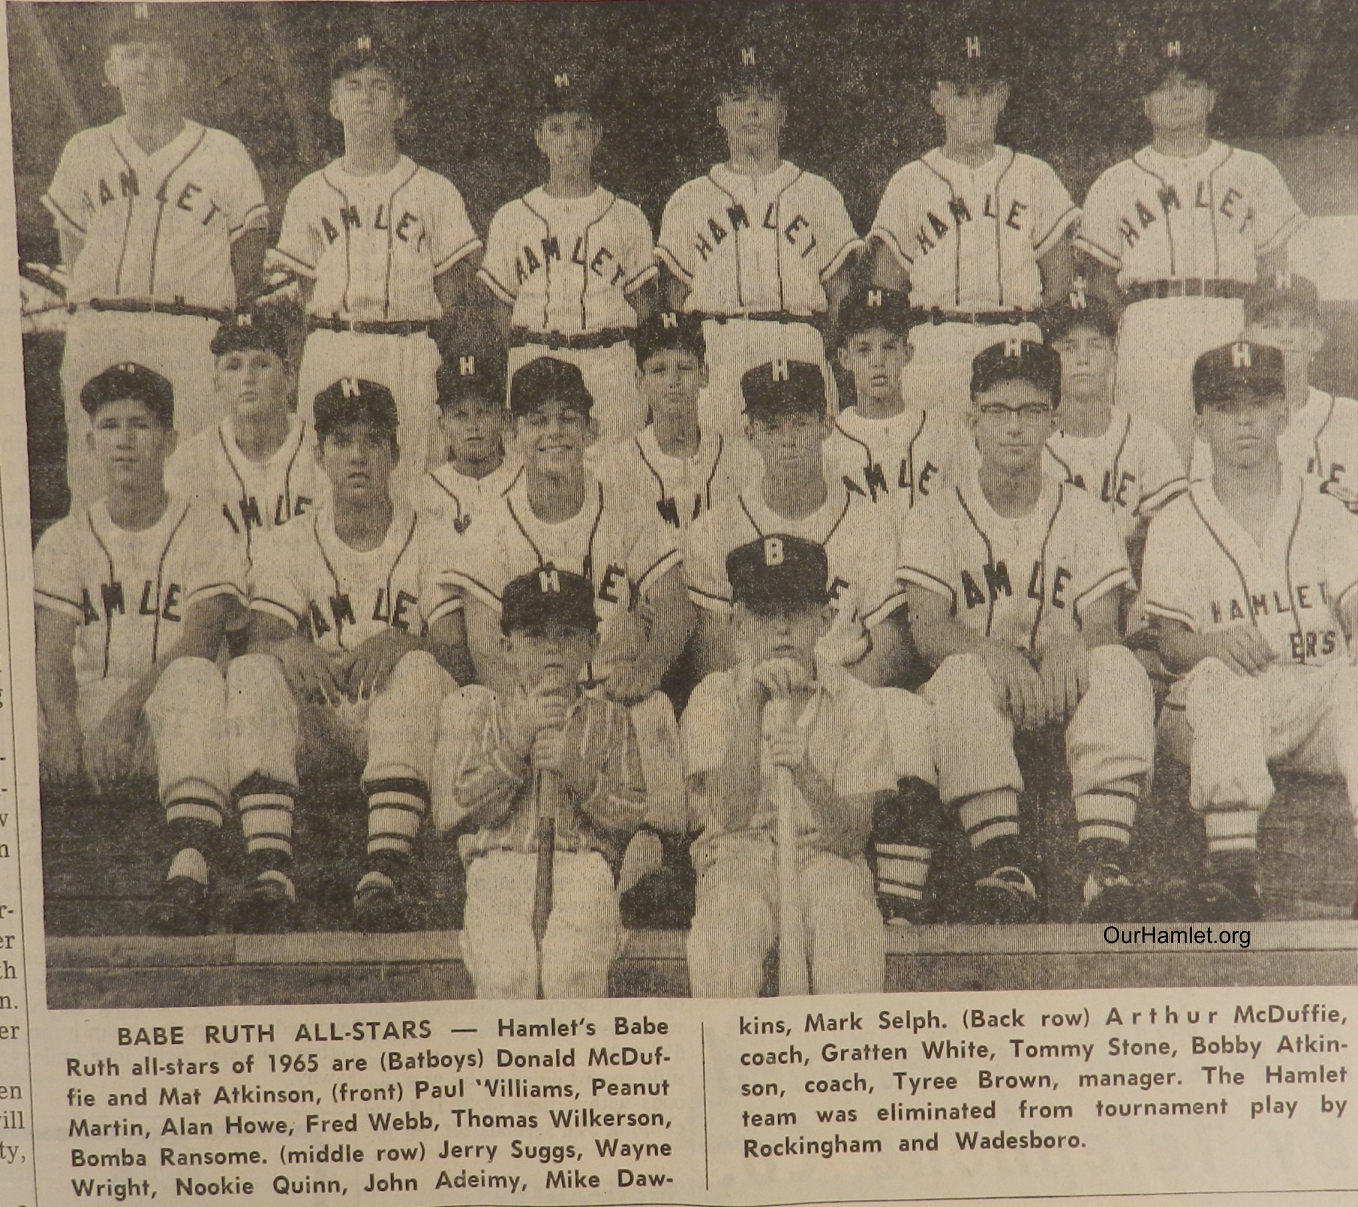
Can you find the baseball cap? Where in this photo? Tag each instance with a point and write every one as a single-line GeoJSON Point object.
{"type": "Point", "coordinates": [1235, 370]}
{"type": "Point", "coordinates": [750, 67]}
{"type": "Point", "coordinates": [566, 90]}
{"type": "Point", "coordinates": [1172, 53]}
{"type": "Point", "coordinates": [545, 596]}
{"type": "Point", "coordinates": [547, 379]}
{"type": "Point", "coordinates": [1285, 289]}
{"type": "Point", "coordinates": [1078, 309]}
{"type": "Point", "coordinates": [251, 331]}
{"type": "Point", "coordinates": [971, 56]}
{"type": "Point", "coordinates": [129, 380]}
{"type": "Point", "coordinates": [669, 329]}
{"type": "Point", "coordinates": [131, 23]}
{"type": "Point", "coordinates": [471, 370]}
{"type": "Point", "coordinates": [777, 575]}
{"type": "Point", "coordinates": [873, 307]}
{"type": "Point", "coordinates": [1017, 360]}
{"type": "Point", "coordinates": [784, 387]}
{"type": "Point", "coordinates": [354, 400]}
{"type": "Point", "coordinates": [366, 50]}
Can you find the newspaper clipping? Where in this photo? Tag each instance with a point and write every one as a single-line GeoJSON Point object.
{"type": "Point", "coordinates": [805, 554]}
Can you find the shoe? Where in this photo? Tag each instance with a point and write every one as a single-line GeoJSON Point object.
{"type": "Point", "coordinates": [1110, 897]}
{"type": "Point", "coordinates": [377, 909]}
{"type": "Point", "coordinates": [265, 905]}
{"type": "Point", "coordinates": [660, 900]}
{"type": "Point", "coordinates": [1234, 901]}
{"type": "Point", "coordinates": [180, 907]}
{"type": "Point", "coordinates": [1175, 900]}
{"type": "Point", "coordinates": [1006, 895]}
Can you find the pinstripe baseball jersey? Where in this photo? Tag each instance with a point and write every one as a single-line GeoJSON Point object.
{"type": "Point", "coordinates": [1205, 571]}
{"type": "Point", "coordinates": [566, 265]}
{"type": "Point", "coordinates": [1020, 580]}
{"type": "Point", "coordinates": [894, 462]}
{"type": "Point", "coordinates": [374, 244]}
{"type": "Point", "coordinates": [156, 226]}
{"type": "Point", "coordinates": [1159, 217]}
{"type": "Point", "coordinates": [448, 497]}
{"type": "Point", "coordinates": [253, 496]}
{"type": "Point", "coordinates": [754, 244]}
{"type": "Point", "coordinates": [130, 591]}
{"type": "Point", "coordinates": [970, 238]}
{"type": "Point", "coordinates": [1133, 467]}
{"type": "Point", "coordinates": [307, 577]}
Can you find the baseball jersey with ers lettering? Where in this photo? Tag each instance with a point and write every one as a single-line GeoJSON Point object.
{"type": "Point", "coordinates": [1022, 580]}
{"type": "Point", "coordinates": [748, 244]}
{"type": "Point", "coordinates": [1160, 217]}
{"type": "Point", "coordinates": [1206, 572]}
{"type": "Point", "coordinates": [1133, 467]}
{"type": "Point", "coordinates": [314, 582]}
{"type": "Point", "coordinates": [251, 495]}
{"type": "Point", "coordinates": [566, 265]}
{"type": "Point", "coordinates": [129, 591]}
{"type": "Point", "coordinates": [970, 238]}
{"type": "Point", "coordinates": [374, 244]}
{"type": "Point", "coordinates": [895, 462]}
{"type": "Point", "coordinates": [156, 226]}
{"type": "Point", "coordinates": [449, 497]}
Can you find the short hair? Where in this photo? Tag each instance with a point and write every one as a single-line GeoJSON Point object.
{"type": "Point", "coordinates": [547, 379]}
{"type": "Point", "coordinates": [1017, 359]}
{"type": "Point", "coordinates": [128, 380]}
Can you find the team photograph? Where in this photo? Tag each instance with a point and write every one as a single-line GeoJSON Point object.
{"type": "Point", "coordinates": [707, 500]}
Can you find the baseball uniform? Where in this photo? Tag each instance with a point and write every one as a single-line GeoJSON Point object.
{"type": "Point", "coordinates": [567, 266]}
{"type": "Point", "coordinates": [154, 275]}
{"type": "Point", "coordinates": [1204, 571]}
{"type": "Point", "coordinates": [372, 247]}
{"type": "Point", "coordinates": [452, 498]}
{"type": "Point", "coordinates": [755, 253]}
{"type": "Point", "coordinates": [1185, 236]}
{"type": "Point", "coordinates": [970, 240]}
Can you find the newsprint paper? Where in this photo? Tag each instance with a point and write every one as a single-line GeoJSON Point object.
{"type": "Point", "coordinates": [844, 511]}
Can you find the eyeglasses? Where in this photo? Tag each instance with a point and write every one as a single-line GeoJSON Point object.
{"type": "Point", "coordinates": [1029, 412]}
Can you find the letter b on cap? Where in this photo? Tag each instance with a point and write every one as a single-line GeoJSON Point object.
{"type": "Point", "coordinates": [773, 551]}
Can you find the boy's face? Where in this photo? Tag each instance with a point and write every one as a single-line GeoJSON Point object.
{"type": "Point", "coordinates": [358, 459]}
{"type": "Point", "coordinates": [552, 437]}
{"type": "Point", "coordinates": [970, 111]}
{"type": "Point", "coordinates": [474, 427]}
{"type": "Point", "coordinates": [552, 655]}
{"type": "Point", "coordinates": [1179, 104]}
{"type": "Point", "coordinates": [569, 140]}
{"type": "Point", "coordinates": [794, 635]}
{"type": "Point", "coordinates": [367, 100]}
{"type": "Point", "coordinates": [1011, 422]}
{"type": "Point", "coordinates": [1087, 358]}
{"type": "Point", "coordinates": [753, 115]}
{"type": "Point", "coordinates": [130, 443]}
{"type": "Point", "coordinates": [148, 74]}
{"type": "Point", "coordinates": [1293, 332]}
{"type": "Point", "coordinates": [670, 382]}
{"type": "Point", "coordinates": [876, 359]}
{"type": "Point", "coordinates": [1243, 431]}
{"type": "Point", "coordinates": [253, 382]}
{"type": "Point", "coordinates": [791, 443]}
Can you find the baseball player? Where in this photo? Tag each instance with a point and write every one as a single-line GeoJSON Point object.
{"type": "Point", "coordinates": [473, 422]}
{"type": "Point", "coordinates": [133, 596]}
{"type": "Point", "coordinates": [757, 246]}
{"type": "Point", "coordinates": [349, 631]}
{"type": "Point", "coordinates": [1252, 581]}
{"type": "Point", "coordinates": [570, 265]}
{"type": "Point", "coordinates": [1186, 224]}
{"type": "Point", "coordinates": [257, 466]}
{"type": "Point", "coordinates": [162, 225]}
{"type": "Point", "coordinates": [1012, 581]}
{"type": "Point", "coordinates": [788, 423]}
{"type": "Point", "coordinates": [834, 741]}
{"type": "Point", "coordinates": [884, 449]}
{"type": "Point", "coordinates": [544, 724]}
{"type": "Point", "coordinates": [1124, 460]}
{"type": "Point", "coordinates": [979, 234]}
{"type": "Point", "coordinates": [382, 247]}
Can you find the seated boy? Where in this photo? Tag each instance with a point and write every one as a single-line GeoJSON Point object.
{"type": "Point", "coordinates": [834, 742]}
{"type": "Point", "coordinates": [133, 596]}
{"type": "Point", "coordinates": [472, 423]}
{"type": "Point", "coordinates": [1251, 579]}
{"type": "Point", "coordinates": [348, 624]}
{"type": "Point", "coordinates": [542, 748]}
{"type": "Point", "coordinates": [1012, 581]}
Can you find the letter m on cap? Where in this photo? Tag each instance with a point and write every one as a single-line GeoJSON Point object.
{"type": "Point", "coordinates": [549, 581]}
{"type": "Point", "coordinates": [466, 366]}
{"type": "Point", "coordinates": [1240, 356]}
{"type": "Point", "coordinates": [973, 48]}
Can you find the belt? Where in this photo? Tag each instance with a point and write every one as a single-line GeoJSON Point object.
{"type": "Point", "coordinates": [412, 327]}
{"type": "Point", "coordinates": [766, 316]}
{"type": "Point", "coordinates": [977, 318]}
{"type": "Point", "coordinates": [1190, 287]}
{"type": "Point", "coordinates": [146, 306]}
{"type": "Point", "coordinates": [520, 336]}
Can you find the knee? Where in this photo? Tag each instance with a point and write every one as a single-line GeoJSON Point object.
{"type": "Point", "coordinates": [419, 674]}
{"type": "Point", "coordinates": [194, 679]}
{"type": "Point", "coordinates": [961, 677]}
{"type": "Point", "coordinates": [251, 679]}
{"type": "Point", "coordinates": [1119, 669]}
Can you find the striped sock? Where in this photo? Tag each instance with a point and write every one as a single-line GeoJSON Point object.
{"type": "Point", "coordinates": [266, 808]}
{"type": "Point", "coordinates": [989, 816]}
{"type": "Point", "coordinates": [395, 809]}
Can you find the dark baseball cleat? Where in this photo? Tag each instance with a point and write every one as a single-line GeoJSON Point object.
{"type": "Point", "coordinates": [265, 905]}
{"type": "Point", "coordinates": [1110, 897]}
{"type": "Point", "coordinates": [1176, 900]}
{"type": "Point", "coordinates": [900, 912]}
{"type": "Point", "coordinates": [180, 907]}
{"type": "Point", "coordinates": [1006, 895]}
{"type": "Point", "coordinates": [378, 910]}
{"type": "Point", "coordinates": [1234, 901]}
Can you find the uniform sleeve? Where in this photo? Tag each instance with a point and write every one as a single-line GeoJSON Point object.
{"type": "Point", "coordinates": [654, 551]}
{"type": "Point", "coordinates": [300, 239]}
{"type": "Point", "coordinates": [675, 245]}
{"type": "Point", "coordinates": [879, 588]}
{"type": "Point", "coordinates": [1102, 563]}
{"type": "Point", "coordinates": [840, 238]}
{"type": "Point", "coordinates": [893, 221]}
{"type": "Point", "coordinates": [274, 588]}
{"type": "Point", "coordinates": [703, 727]}
{"type": "Point", "coordinates": [67, 196]}
{"type": "Point", "coordinates": [438, 555]}
{"type": "Point", "coordinates": [219, 565]}
{"type": "Point", "coordinates": [1277, 216]}
{"type": "Point", "coordinates": [1054, 211]}
{"type": "Point", "coordinates": [246, 210]}
{"type": "Point", "coordinates": [452, 235]}
{"type": "Point", "coordinates": [1165, 586]}
{"type": "Point", "coordinates": [56, 572]}
{"type": "Point", "coordinates": [1162, 470]}
{"type": "Point", "coordinates": [1099, 235]}
{"type": "Point", "coordinates": [926, 556]}
{"type": "Point", "coordinates": [638, 252]}
{"type": "Point", "coordinates": [478, 567]}
{"type": "Point", "coordinates": [705, 564]}
{"type": "Point", "coordinates": [1341, 554]}
{"type": "Point", "coordinates": [497, 271]}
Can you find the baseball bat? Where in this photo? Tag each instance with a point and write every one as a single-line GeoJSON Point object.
{"type": "Point", "coordinates": [793, 978]}
{"type": "Point", "coordinates": [545, 790]}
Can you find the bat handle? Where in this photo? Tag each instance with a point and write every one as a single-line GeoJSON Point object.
{"type": "Point", "coordinates": [793, 977]}
{"type": "Point", "coordinates": [546, 787]}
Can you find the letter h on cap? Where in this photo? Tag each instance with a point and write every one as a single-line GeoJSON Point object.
{"type": "Point", "coordinates": [349, 388]}
{"type": "Point", "coordinates": [747, 56]}
{"type": "Point", "coordinates": [669, 319]}
{"type": "Point", "coordinates": [780, 370]}
{"type": "Point", "coordinates": [549, 581]}
{"type": "Point", "coordinates": [973, 47]}
{"type": "Point", "coordinates": [562, 80]}
{"type": "Point", "coordinates": [1013, 346]}
{"type": "Point", "coordinates": [874, 297]}
{"type": "Point", "coordinates": [466, 366]}
{"type": "Point", "coordinates": [1174, 50]}
{"type": "Point", "coordinates": [1240, 356]}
